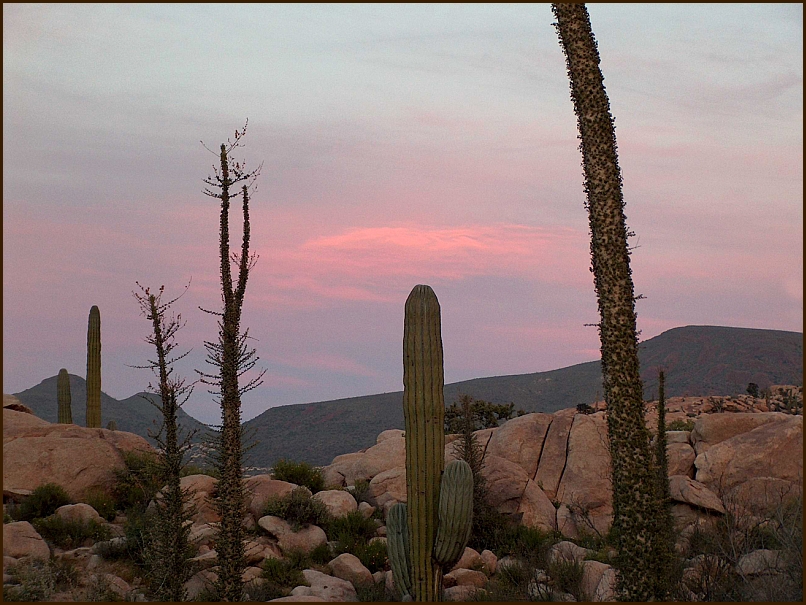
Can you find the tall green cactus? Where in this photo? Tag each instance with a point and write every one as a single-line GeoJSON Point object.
{"type": "Point", "coordinates": [64, 398]}
{"type": "Point", "coordinates": [427, 533]}
{"type": "Point", "coordinates": [94, 368]}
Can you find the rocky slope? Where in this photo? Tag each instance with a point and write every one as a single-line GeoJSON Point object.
{"type": "Point", "coordinates": [548, 470]}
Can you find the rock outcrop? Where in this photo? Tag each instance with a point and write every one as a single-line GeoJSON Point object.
{"type": "Point", "coordinates": [77, 458]}
{"type": "Point", "coordinates": [553, 470]}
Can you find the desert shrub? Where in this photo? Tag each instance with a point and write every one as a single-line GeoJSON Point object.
{"type": "Point", "coordinates": [138, 483]}
{"type": "Point", "coordinates": [372, 555]}
{"type": "Point", "coordinates": [70, 534]}
{"type": "Point", "coordinates": [680, 425]}
{"type": "Point", "coordinates": [299, 473]}
{"type": "Point", "coordinates": [99, 590]}
{"type": "Point", "coordinates": [6, 517]}
{"type": "Point", "coordinates": [483, 413]}
{"type": "Point", "coordinates": [42, 502]}
{"type": "Point", "coordinates": [102, 502]}
{"type": "Point", "coordinates": [566, 576]}
{"type": "Point", "coordinates": [282, 575]}
{"type": "Point", "coordinates": [298, 508]}
{"type": "Point", "coordinates": [373, 593]}
{"type": "Point", "coordinates": [350, 529]}
{"type": "Point", "coordinates": [195, 469]}
{"type": "Point", "coordinates": [321, 555]}
{"type": "Point", "coordinates": [361, 491]}
{"type": "Point", "coordinates": [493, 530]}
{"type": "Point", "coordinates": [139, 537]}
{"type": "Point", "coordinates": [38, 579]}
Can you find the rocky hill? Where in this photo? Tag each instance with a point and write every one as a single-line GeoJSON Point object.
{"type": "Point", "coordinates": [698, 360]}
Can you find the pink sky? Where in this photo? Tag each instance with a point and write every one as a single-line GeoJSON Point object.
{"type": "Point", "coordinates": [397, 150]}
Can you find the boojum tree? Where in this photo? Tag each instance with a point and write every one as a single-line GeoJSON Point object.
{"type": "Point", "coordinates": [635, 502]}
{"type": "Point", "coordinates": [170, 550]}
{"type": "Point", "coordinates": [233, 358]}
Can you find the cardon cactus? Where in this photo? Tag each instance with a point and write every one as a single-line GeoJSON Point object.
{"type": "Point", "coordinates": [437, 525]}
{"type": "Point", "coordinates": [64, 398]}
{"type": "Point", "coordinates": [94, 368]}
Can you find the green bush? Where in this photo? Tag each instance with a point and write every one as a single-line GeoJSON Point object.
{"type": "Point", "coordinates": [299, 473]}
{"type": "Point", "coordinates": [566, 576]}
{"type": "Point", "coordinates": [38, 579]}
{"type": "Point", "coordinates": [70, 534]}
{"type": "Point", "coordinates": [361, 491]}
{"type": "Point", "coordinates": [372, 555]}
{"type": "Point", "coordinates": [102, 502]}
{"type": "Point", "coordinates": [680, 425]}
{"type": "Point", "coordinates": [42, 502]}
{"type": "Point", "coordinates": [298, 508]}
{"type": "Point", "coordinates": [138, 483]}
{"type": "Point", "coordinates": [194, 469]}
{"type": "Point", "coordinates": [349, 530]}
{"type": "Point", "coordinates": [281, 576]}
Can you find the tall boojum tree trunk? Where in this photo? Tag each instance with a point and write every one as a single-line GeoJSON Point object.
{"type": "Point", "coordinates": [634, 497]}
{"type": "Point", "coordinates": [233, 359]}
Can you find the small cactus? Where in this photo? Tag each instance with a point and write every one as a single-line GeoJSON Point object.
{"type": "Point", "coordinates": [94, 368]}
{"type": "Point", "coordinates": [112, 425]}
{"type": "Point", "coordinates": [64, 398]}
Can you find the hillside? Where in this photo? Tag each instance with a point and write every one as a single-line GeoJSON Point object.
{"type": "Point", "coordinates": [133, 414]}
{"type": "Point", "coordinates": [699, 360]}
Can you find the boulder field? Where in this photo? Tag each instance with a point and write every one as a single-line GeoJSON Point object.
{"type": "Point", "coordinates": [549, 471]}
{"type": "Point", "coordinates": [554, 469]}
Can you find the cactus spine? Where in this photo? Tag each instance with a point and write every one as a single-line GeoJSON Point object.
{"type": "Point", "coordinates": [94, 368]}
{"type": "Point", "coordinates": [64, 398]}
{"type": "Point", "coordinates": [426, 534]}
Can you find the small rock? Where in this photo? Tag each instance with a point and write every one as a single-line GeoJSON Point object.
{"type": "Point", "coordinates": [462, 593]}
{"type": "Point", "coordinates": [567, 551]}
{"type": "Point", "coordinates": [470, 559]}
{"type": "Point", "coordinates": [349, 567]}
{"type": "Point", "coordinates": [325, 587]}
{"type": "Point", "coordinates": [490, 561]}
{"type": "Point", "coordinates": [366, 509]}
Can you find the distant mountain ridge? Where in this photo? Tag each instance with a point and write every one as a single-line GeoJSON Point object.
{"type": "Point", "coordinates": [698, 360]}
{"type": "Point", "coordinates": [133, 414]}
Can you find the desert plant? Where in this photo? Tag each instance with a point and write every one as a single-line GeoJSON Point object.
{"type": "Point", "coordinates": [194, 469]}
{"type": "Point", "coordinates": [170, 551]}
{"type": "Point", "coordinates": [299, 473]}
{"type": "Point", "coordinates": [233, 358]}
{"type": "Point", "coordinates": [372, 555]}
{"type": "Point", "coordinates": [39, 579]}
{"type": "Point", "coordinates": [102, 501]}
{"type": "Point", "coordinates": [634, 504]}
{"type": "Point", "coordinates": [70, 534]}
{"type": "Point", "coordinates": [752, 390]}
{"type": "Point", "coordinates": [43, 502]}
{"type": "Point", "coordinates": [112, 425]}
{"type": "Point", "coordinates": [94, 368]}
{"type": "Point", "coordinates": [428, 533]}
{"type": "Point", "coordinates": [350, 530]}
{"type": "Point", "coordinates": [361, 491]}
{"type": "Point", "coordinates": [138, 482]}
{"type": "Point", "coordinates": [664, 542]}
{"type": "Point", "coordinates": [680, 425]}
{"type": "Point", "coordinates": [484, 414]}
{"type": "Point", "coordinates": [280, 576]}
{"type": "Point", "coordinates": [298, 508]}
{"type": "Point", "coordinates": [63, 397]}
